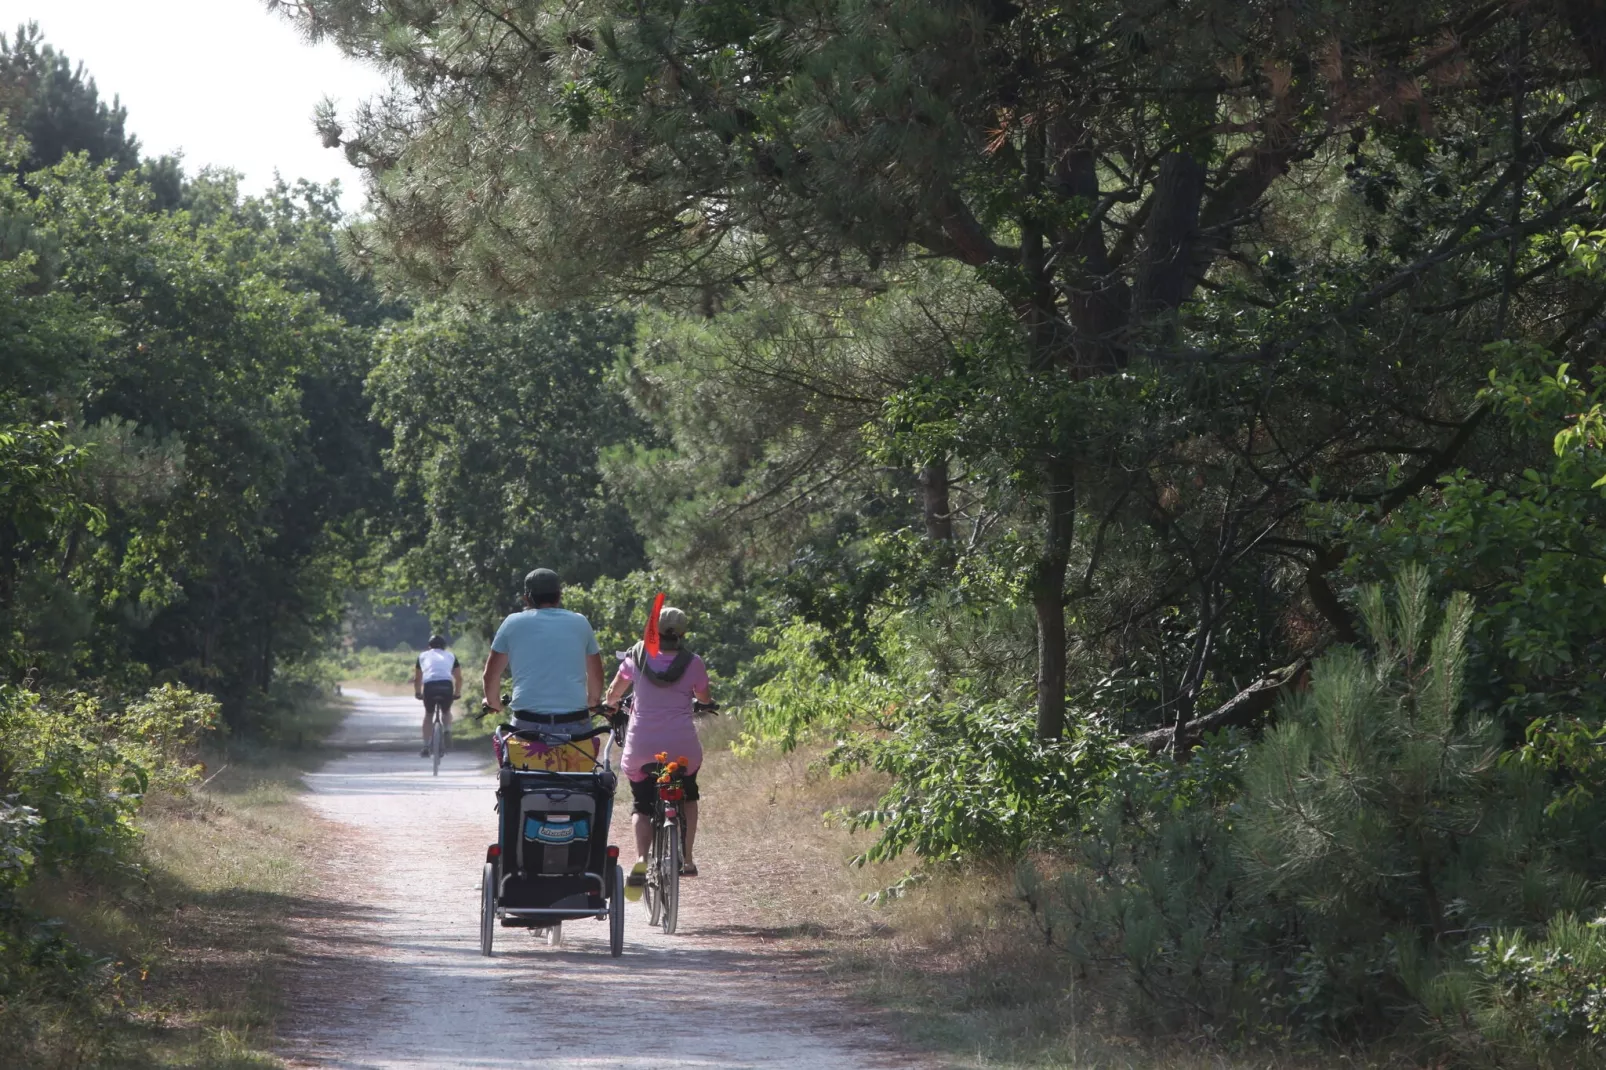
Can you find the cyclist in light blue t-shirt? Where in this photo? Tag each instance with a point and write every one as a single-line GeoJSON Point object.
{"type": "Point", "coordinates": [553, 654]}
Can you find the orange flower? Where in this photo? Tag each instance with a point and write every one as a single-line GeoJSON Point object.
{"type": "Point", "coordinates": [664, 779]}
{"type": "Point", "coordinates": [662, 756]}
{"type": "Point", "coordinates": [685, 762]}
{"type": "Point", "coordinates": [674, 767]}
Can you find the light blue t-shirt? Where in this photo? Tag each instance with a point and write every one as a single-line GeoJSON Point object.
{"type": "Point", "coordinates": [546, 650]}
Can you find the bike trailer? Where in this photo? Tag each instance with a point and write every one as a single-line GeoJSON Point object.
{"type": "Point", "coordinates": [552, 861]}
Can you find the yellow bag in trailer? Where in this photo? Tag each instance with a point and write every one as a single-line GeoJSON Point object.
{"type": "Point", "coordinates": [580, 757]}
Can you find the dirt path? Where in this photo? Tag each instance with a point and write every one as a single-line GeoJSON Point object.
{"type": "Point", "coordinates": [392, 977]}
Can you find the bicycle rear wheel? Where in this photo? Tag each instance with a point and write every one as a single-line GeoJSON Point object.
{"type": "Point", "coordinates": [437, 745]}
{"type": "Point", "coordinates": [487, 908]}
{"type": "Point", "coordinates": [616, 913]}
{"type": "Point", "coordinates": [671, 878]}
{"type": "Point", "coordinates": [653, 893]}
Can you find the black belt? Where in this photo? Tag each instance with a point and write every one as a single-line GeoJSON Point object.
{"type": "Point", "coordinates": [553, 718]}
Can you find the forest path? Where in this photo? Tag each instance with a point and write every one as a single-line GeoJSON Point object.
{"type": "Point", "coordinates": [390, 973]}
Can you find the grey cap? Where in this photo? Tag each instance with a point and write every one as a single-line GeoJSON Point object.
{"type": "Point", "coordinates": [542, 583]}
{"type": "Point", "coordinates": [671, 621]}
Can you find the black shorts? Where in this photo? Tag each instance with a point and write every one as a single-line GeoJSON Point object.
{"type": "Point", "coordinates": [645, 790]}
{"type": "Point", "coordinates": [438, 695]}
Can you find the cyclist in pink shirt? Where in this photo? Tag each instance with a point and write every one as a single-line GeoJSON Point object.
{"type": "Point", "coordinates": [666, 685]}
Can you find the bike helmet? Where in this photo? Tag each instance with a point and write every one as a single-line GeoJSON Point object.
{"type": "Point", "coordinates": [437, 642]}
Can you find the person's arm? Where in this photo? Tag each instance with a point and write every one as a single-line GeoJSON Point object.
{"type": "Point", "coordinates": [418, 678]}
{"type": "Point", "coordinates": [457, 679]}
{"type": "Point", "coordinates": [699, 682]}
{"type": "Point", "coordinates": [621, 684]}
{"type": "Point", "coordinates": [494, 665]}
{"type": "Point", "coordinates": [593, 679]}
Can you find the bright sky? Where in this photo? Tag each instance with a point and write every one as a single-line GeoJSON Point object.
{"type": "Point", "coordinates": [223, 81]}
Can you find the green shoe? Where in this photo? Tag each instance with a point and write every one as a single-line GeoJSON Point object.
{"type": "Point", "coordinates": [636, 882]}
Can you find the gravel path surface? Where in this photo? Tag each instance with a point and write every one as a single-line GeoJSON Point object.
{"type": "Point", "coordinates": [391, 975]}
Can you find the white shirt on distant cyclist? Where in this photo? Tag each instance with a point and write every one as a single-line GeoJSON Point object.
{"type": "Point", "coordinates": [438, 681]}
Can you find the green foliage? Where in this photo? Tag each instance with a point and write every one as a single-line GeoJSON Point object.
{"type": "Point", "coordinates": [56, 106]}
{"type": "Point", "coordinates": [968, 777]}
{"type": "Point", "coordinates": [494, 490]}
{"type": "Point", "coordinates": [726, 627]}
{"type": "Point", "coordinates": [190, 467]}
{"type": "Point", "coordinates": [82, 768]}
{"type": "Point", "coordinates": [806, 696]}
{"type": "Point", "coordinates": [1541, 997]}
{"type": "Point", "coordinates": [973, 782]}
{"type": "Point", "coordinates": [1147, 899]}
{"type": "Point", "coordinates": [1528, 545]}
{"type": "Point", "coordinates": [73, 773]}
{"type": "Point", "coordinates": [386, 666]}
{"type": "Point", "coordinates": [1342, 876]}
{"type": "Point", "coordinates": [1365, 800]}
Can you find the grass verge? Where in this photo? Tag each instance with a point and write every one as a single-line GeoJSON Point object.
{"type": "Point", "coordinates": [197, 940]}
{"type": "Point", "coordinates": [954, 960]}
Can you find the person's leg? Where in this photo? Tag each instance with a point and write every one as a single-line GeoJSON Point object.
{"type": "Point", "coordinates": [689, 810]}
{"type": "Point", "coordinates": [429, 701]}
{"type": "Point", "coordinates": [643, 793]}
{"type": "Point", "coordinates": [643, 826]}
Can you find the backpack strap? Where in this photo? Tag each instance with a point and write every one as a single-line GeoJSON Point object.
{"type": "Point", "coordinates": [673, 672]}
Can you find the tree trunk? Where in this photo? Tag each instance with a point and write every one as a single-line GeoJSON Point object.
{"type": "Point", "coordinates": [1048, 598]}
{"type": "Point", "coordinates": [1164, 277]}
{"type": "Point", "coordinates": [934, 492]}
{"type": "Point", "coordinates": [267, 653]}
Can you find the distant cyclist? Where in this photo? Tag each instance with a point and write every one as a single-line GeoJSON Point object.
{"type": "Point", "coordinates": [438, 680]}
{"type": "Point", "coordinates": [665, 687]}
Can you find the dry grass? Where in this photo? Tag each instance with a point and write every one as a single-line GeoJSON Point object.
{"type": "Point", "coordinates": [955, 962]}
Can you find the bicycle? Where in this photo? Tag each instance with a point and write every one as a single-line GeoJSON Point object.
{"type": "Point", "coordinates": [437, 710]}
{"type": "Point", "coordinates": [668, 846]}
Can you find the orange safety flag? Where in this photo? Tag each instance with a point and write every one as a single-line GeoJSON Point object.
{"type": "Point", "coordinates": [649, 638]}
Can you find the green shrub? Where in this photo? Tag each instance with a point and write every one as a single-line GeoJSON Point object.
{"type": "Point", "coordinates": [975, 781]}
{"type": "Point", "coordinates": [385, 666]}
{"type": "Point", "coordinates": [968, 776]}
{"type": "Point", "coordinates": [73, 773]}
{"type": "Point", "coordinates": [1345, 876]}
{"type": "Point", "coordinates": [1540, 998]}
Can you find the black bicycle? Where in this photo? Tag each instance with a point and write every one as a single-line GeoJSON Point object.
{"type": "Point", "coordinates": [668, 848]}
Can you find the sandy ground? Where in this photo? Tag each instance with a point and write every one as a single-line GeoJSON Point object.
{"type": "Point", "coordinates": [390, 973]}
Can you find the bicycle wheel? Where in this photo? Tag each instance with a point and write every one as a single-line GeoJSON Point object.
{"type": "Point", "coordinates": [437, 745]}
{"type": "Point", "coordinates": [487, 909]}
{"type": "Point", "coordinates": [653, 893]}
{"type": "Point", "coordinates": [671, 885]}
{"type": "Point", "coordinates": [616, 914]}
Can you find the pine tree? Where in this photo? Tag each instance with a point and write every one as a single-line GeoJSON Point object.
{"type": "Point", "coordinates": [57, 107]}
{"type": "Point", "coordinates": [1367, 809]}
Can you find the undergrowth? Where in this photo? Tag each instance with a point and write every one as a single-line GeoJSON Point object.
{"type": "Point", "coordinates": [161, 945]}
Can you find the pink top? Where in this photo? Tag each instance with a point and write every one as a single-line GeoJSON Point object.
{"type": "Point", "coordinates": [662, 721]}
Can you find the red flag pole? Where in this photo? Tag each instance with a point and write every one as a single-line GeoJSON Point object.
{"type": "Point", "coordinates": [649, 638]}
